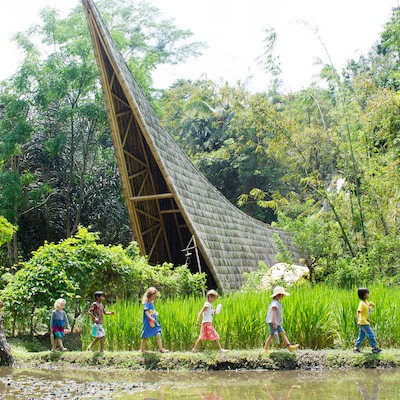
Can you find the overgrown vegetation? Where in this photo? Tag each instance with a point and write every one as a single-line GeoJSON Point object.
{"type": "Point", "coordinates": [321, 163]}
{"type": "Point", "coordinates": [77, 267]}
{"type": "Point", "coordinates": [57, 166]}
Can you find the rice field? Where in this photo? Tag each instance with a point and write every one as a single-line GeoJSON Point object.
{"type": "Point", "coordinates": [315, 317]}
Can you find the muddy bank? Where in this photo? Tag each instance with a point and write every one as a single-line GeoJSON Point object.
{"type": "Point", "coordinates": [37, 343]}
{"type": "Point", "coordinates": [214, 361]}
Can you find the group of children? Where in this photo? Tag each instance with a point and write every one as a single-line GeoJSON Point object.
{"type": "Point", "coordinates": [151, 326]}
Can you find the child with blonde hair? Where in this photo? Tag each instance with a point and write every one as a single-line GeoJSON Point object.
{"type": "Point", "coordinates": [274, 319]}
{"type": "Point", "coordinates": [58, 323]}
{"type": "Point", "coordinates": [207, 331]}
{"type": "Point", "coordinates": [151, 327]}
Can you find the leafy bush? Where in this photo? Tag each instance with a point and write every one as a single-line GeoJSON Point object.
{"type": "Point", "coordinates": [254, 278]}
{"type": "Point", "coordinates": [78, 266]}
{"type": "Point", "coordinates": [6, 231]}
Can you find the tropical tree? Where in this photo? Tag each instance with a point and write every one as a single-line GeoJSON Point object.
{"type": "Point", "coordinates": [58, 167]}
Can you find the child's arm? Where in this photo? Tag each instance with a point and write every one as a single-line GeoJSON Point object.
{"type": "Point", "coordinates": [95, 319]}
{"type": "Point", "coordinates": [358, 317]}
{"type": "Point", "coordinates": [51, 321]}
{"type": "Point", "coordinates": [273, 317]}
{"type": "Point", "coordinates": [150, 317]}
{"type": "Point", "coordinates": [199, 316]}
{"type": "Point", "coordinates": [66, 322]}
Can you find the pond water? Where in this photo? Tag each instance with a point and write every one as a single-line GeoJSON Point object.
{"type": "Point", "coordinates": [41, 383]}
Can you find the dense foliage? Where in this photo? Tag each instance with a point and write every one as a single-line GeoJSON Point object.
{"type": "Point", "coordinates": [323, 163]}
{"type": "Point", "coordinates": [57, 166]}
{"type": "Point", "coordinates": [77, 267]}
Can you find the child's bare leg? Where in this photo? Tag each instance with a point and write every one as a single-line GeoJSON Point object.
{"type": "Point", "coordinates": [288, 345]}
{"type": "Point", "coordinates": [142, 345]}
{"type": "Point", "coordinates": [102, 345]}
{"type": "Point", "coordinates": [268, 342]}
{"type": "Point", "coordinates": [220, 348]}
{"type": "Point", "coordinates": [159, 343]}
{"type": "Point", "coordinates": [60, 343]}
{"type": "Point", "coordinates": [285, 339]}
{"type": "Point", "coordinates": [196, 345]}
{"type": "Point", "coordinates": [92, 344]}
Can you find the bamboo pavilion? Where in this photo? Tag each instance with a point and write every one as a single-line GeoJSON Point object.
{"type": "Point", "coordinates": [176, 214]}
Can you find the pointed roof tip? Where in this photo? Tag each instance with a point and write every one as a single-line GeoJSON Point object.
{"type": "Point", "coordinates": [230, 241]}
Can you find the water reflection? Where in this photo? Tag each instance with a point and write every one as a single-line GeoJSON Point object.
{"type": "Point", "coordinates": [299, 385]}
{"type": "Point", "coordinates": [366, 395]}
{"type": "Point", "coordinates": [280, 396]}
{"type": "Point", "coordinates": [220, 385]}
{"type": "Point", "coordinates": [211, 396]}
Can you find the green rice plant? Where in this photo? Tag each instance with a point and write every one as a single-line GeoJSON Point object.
{"type": "Point", "coordinates": [316, 317]}
{"type": "Point", "coordinates": [308, 320]}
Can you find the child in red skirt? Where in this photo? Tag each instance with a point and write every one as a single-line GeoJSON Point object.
{"type": "Point", "coordinates": [207, 331]}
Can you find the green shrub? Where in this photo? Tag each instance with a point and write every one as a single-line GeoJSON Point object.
{"type": "Point", "coordinates": [78, 266]}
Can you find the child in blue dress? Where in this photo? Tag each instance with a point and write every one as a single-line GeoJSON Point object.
{"type": "Point", "coordinates": [151, 327]}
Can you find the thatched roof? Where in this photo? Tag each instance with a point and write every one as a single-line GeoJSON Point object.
{"type": "Point", "coordinates": [168, 199]}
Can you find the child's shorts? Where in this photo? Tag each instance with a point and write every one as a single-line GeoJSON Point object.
{"type": "Point", "coordinates": [98, 331]}
{"type": "Point", "coordinates": [272, 330]}
{"type": "Point", "coordinates": [208, 332]}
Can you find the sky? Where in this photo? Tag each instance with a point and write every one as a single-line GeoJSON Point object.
{"type": "Point", "coordinates": [234, 31]}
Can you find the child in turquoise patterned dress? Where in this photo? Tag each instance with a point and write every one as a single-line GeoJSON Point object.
{"type": "Point", "coordinates": [151, 327]}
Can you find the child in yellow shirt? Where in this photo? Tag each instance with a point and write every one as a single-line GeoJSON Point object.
{"type": "Point", "coordinates": [363, 311]}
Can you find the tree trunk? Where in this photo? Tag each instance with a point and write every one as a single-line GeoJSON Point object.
{"type": "Point", "coordinates": [6, 358]}
{"type": "Point", "coordinates": [32, 316]}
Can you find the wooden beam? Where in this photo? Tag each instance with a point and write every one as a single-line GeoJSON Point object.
{"type": "Point", "coordinates": [128, 129]}
{"type": "Point", "coordinates": [175, 211]}
{"type": "Point", "coordinates": [151, 229]}
{"type": "Point", "coordinates": [138, 210]}
{"type": "Point", "coordinates": [152, 197]}
{"type": "Point", "coordinates": [135, 158]}
{"type": "Point", "coordinates": [127, 112]}
{"type": "Point", "coordinates": [139, 193]}
{"type": "Point", "coordinates": [155, 242]}
{"type": "Point", "coordinates": [119, 99]}
{"type": "Point", "coordinates": [143, 171]}
{"type": "Point", "coordinates": [112, 80]}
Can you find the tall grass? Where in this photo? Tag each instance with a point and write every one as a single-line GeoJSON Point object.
{"type": "Point", "coordinates": [316, 317]}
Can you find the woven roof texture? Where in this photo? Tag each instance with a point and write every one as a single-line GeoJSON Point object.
{"type": "Point", "coordinates": [230, 241]}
